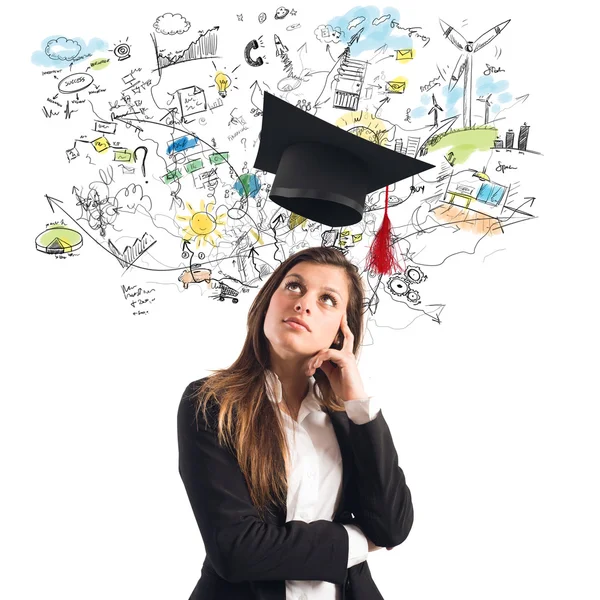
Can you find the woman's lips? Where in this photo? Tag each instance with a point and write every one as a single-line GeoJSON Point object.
{"type": "Point", "coordinates": [295, 325]}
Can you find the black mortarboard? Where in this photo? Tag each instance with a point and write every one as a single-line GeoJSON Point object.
{"type": "Point", "coordinates": [322, 172]}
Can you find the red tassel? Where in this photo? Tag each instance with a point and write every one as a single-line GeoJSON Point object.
{"type": "Point", "coordinates": [381, 258]}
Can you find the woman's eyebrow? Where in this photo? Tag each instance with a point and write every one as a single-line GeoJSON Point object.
{"type": "Point", "coordinates": [298, 276]}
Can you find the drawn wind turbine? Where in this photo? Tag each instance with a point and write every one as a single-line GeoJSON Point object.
{"type": "Point", "coordinates": [434, 109]}
{"type": "Point", "coordinates": [487, 108]}
{"type": "Point", "coordinates": [465, 62]}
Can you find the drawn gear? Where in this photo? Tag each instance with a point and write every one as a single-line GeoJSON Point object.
{"type": "Point", "coordinates": [398, 286]}
{"type": "Point", "coordinates": [414, 274]}
{"type": "Point", "coordinates": [413, 296]}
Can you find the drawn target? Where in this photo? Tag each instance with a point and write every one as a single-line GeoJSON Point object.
{"type": "Point", "coordinates": [253, 45]}
{"type": "Point", "coordinates": [122, 51]}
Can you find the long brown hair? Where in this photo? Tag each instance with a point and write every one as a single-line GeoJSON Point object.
{"type": "Point", "coordinates": [248, 422]}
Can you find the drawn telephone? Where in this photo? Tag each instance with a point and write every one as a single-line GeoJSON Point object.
{"type": "Point", "coordinates": [253, 45]}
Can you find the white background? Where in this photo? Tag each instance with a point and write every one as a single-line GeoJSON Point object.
{"type": "Point", "coordinates": [493, 412]}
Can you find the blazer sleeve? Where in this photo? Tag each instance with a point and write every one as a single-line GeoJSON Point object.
{"type": "Point", "coordinates": [239, 545]}
{"type": "Point", "coordinates": [382, 501]}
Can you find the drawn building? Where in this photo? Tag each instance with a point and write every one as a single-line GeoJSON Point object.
{"type": "Point", "coordinates": [412, 146]}
{"type": "Point", "coordinates": [351, 76]}
{"type": "Point", "coordinates": [510, 138]}
{"type": "Point", "coordinates": [398, 146]}
{"type": "Point", "coordinates": [476, 188]}
{"type": "Point", "coordinates": [523, 135]}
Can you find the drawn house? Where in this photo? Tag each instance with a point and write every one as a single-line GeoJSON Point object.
{"type": "Point", "coordinates": [474, 190]}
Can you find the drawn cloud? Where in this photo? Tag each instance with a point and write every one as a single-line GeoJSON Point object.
{"type": "Point", "coordinates": [171, 24]}
{"type": "Point", "coordinates": [381, 20]}
{"type": "Point", "coordinates": [62, 49]}
{"type": "Point", "coordinates": [355, 22]}
{"type": "Point", "coordinates": [327, 34]}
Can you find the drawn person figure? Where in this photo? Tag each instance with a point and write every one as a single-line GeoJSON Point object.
{"type": "Point", "coordinates": [288, 464]}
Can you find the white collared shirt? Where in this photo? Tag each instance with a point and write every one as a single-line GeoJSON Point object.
{"type": "Point", "coordinates": [315, 480]}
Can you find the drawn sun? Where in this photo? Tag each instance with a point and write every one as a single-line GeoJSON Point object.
{"type": "Point", "coordinates": [202, 225]}
{"type": "Point", "coordinates": [364, 125]}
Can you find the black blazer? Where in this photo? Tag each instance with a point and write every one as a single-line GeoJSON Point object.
{"type": "Point", "coordinates": [250, 559]}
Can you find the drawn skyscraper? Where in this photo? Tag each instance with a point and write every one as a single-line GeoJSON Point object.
{"type": "Point", "coordinates": [523, 135]}
{"type": "Point", "coordinates": [510, 138]}
{"type": "Point", "coordinates": [412, 146]}
{"type": "Point", "coordinates": [398, 145]}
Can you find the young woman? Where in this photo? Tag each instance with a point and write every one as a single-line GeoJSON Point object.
{"type": "Point", "coordinates": [289, 466]}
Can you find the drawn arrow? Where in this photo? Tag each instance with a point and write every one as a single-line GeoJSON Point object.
{"type": "Point", "coordinates": [328, 50]}
{"type": "Point", "coordinates": [384, 101]}
{"type": "Point", "coordinates": [277, 221]}
{"type": "Point", "coordinates": [53, 200]}
{"type": "Point", "coordinates": [256, 89]}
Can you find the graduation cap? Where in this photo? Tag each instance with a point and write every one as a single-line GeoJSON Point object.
{"type": "Point", "coordinates": [322, 172]}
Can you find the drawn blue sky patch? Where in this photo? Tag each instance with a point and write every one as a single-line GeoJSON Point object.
{"type": "Point", "coordinates": [59, 51]}
{"type": "Point", "coordinates": [486, 85]}
{"type": "Point", "coordinates": [373, 36]}
{"type": "Point", "coordinates": [418, 112]}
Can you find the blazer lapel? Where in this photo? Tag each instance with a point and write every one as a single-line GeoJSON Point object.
{"type": "Point", "coordinates": [341, 426]}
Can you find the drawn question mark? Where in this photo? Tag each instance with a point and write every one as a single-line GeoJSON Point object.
{"type": "Point", "coordinates": [243, 141]}
{"type": "Point", "coordinates": [135, 153]}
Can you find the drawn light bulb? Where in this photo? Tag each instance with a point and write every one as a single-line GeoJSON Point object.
{"type": "Point", "coordinates": [223, 82]}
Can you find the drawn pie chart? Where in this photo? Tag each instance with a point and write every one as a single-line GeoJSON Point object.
{"type": "Point", "coordinates": [58, 239]}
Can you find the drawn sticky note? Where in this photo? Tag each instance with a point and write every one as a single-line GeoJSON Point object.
{"type": "Point", "coordinates": [172, 176]}
{"type": "Point", "coordinates": [395, 87]}
{"type": "Point", "coordinates": [72, 153]}
{"type": "Point", "coordinates": [406, 54]}
{"type": "Point", "coordinates": [105, 127]}
{"type": "Point", "coordinates": [191, 100]}
{"type": "Point", "coordinates": [218, 158]}
{"type": "Point", "coordinates": [182, 143]}
{"type": "Point", "coordinates": [193, 165]}
{"type": "Point", "coordinates": [122, 156]}
{"type": "Point", "coordinates": [101, 144]}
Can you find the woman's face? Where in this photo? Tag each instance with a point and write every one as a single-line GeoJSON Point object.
{"type": "Point", "coordinates": [316, 294]}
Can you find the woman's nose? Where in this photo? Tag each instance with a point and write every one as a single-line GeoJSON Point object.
{"type": "Point", "coordinates": [302, 306]}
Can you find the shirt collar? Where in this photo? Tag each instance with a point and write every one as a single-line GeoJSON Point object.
{"type": "Point", "coordinates": [310, 402]}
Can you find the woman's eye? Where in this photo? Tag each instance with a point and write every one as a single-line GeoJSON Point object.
{"type": "Point", "coordinates": [293, 284]}
{"type": "Point", "coordinates": [333, 300]}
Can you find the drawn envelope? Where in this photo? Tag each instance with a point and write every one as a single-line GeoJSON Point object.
{"type": "Point", "coordinates": [395, 87]}
{"type": "Point", "coordinates": [406, 54]}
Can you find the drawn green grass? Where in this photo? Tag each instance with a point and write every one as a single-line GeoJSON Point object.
{"type": "Point", "coordinates": [463, 142]}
